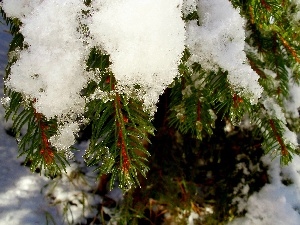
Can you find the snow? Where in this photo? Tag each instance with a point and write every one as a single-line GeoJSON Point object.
{"type": "Point", "coordinates": [273, 109]}
{"type": "Point", "coordinates": [219, 43]}
{"type": "Point", "coordinates": [46, 79]}
{"type": "Point", "coordinates": [65, 137]}
{"type": "Point", "coordinates": [189, 6]}
{"type": "Point", "coordinates": [275, 203]}
{"type": "Point", "coordinates": [145, 40]}
{"type": "Point", "coordinates": [19, 8]}
{"type": "Point", "coordinates": [296, 15]}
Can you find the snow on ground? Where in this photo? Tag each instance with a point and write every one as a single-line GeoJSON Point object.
{"type": "Point", "coordinates": [277, 203]}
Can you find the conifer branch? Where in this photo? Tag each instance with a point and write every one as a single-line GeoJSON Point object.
{"type": "Point", "coordinates": [203, 92]}
{"type": "Point", "coordinates": [284, 151]}
{"type": "Point", "coordinates": [289, 49]}
{"type": "Point", "coordinates": [120, 134]}
{"type": "Point", "coordinates": [119, 128]}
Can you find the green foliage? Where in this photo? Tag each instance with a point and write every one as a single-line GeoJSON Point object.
{"type": "Point", "coordinates": [200, 96]}
{"type": "Point", "coordinates": [120, 128]}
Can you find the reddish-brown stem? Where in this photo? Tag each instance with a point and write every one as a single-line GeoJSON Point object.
{"type": "Point", "coordinates": [290, 49]}
{"type": "Point", "coordinates": [265, 4]}
{"type": "Point", "coordinates": [184, 194]}
{"type": "Point", "coordinates": [284, 150]}
{"type": "Point", "coordinates": [251, 14]}
{"type": "Point", "coordinates": [125, 164]}
{"type": "Point", "coordinates": [237, 100]}
{"type": "Point", "coordinates": [46, 150]}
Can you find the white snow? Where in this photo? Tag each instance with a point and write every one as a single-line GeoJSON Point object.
{"type": "Point", "coordinates": [275, 203]}
{"type": "Point", "coordinates": [189, 6]}
{"type": "Point", "coordinates": [145, 40]}
{"type": "Point", "coordinates": [19, 8]}
{"type": "Point", "coordinates": [273, 109]}
{"type": "Point", "coordinates": [65, 137]}
{"type": "Point", "coordinates": [53, 62]}
{"type": "Point", "coordinates": [219, 43]}
{"type": "Point", "coordinates": [296, 16]}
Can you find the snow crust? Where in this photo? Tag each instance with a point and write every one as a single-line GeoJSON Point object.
{"type": "Point", "coordinates": [219, 43]}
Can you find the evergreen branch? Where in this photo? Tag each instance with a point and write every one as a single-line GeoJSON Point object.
{"type": "Point", "coordinates": [34, 144]}
{"type": "Point", "coordinates": [117, 142]}
{"type": "Point", "coordinates": [284, 151]}
{"type": "Point", "coordinates": [119, 129]}
{"type": "Point", "coordinates": [289, 49]}
{"type": "Point", "coordinates": [14, 23]}
{"type": "Point", "coordinates": [130, 138]}
{"type": "Point", "coordinates": [14, 104]}
{"type": "Point", "coordinates": [272, 131]}
{"type": "Point", "coordinates": [269, 40]}
{"type": "Point", "coordinates": [46, 151]}
{"type": "Point", "coordinates": [195, 97]}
